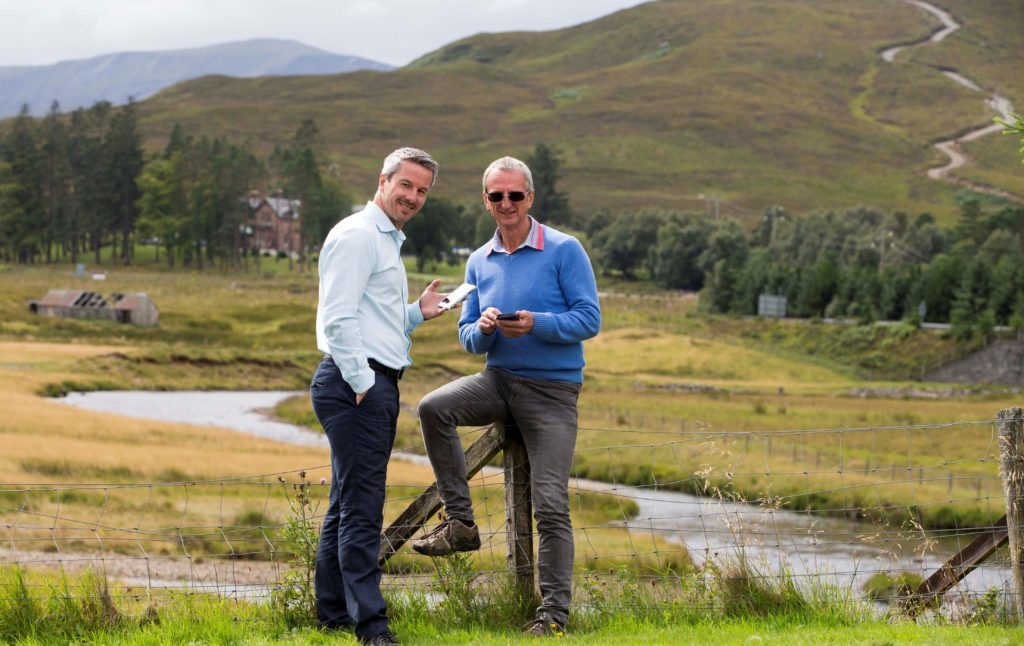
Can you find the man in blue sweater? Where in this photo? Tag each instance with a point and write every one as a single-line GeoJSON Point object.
{"type": "Point", "coordinates": [535, 304]}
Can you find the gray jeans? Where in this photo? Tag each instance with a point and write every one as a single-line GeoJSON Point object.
{"type": "Point", "coordinates": [545, 413]}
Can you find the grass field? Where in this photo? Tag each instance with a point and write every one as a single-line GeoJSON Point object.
{"type": "Point", "coordinates": [714, 393]}
{"type": "Point", "coordinates": [216, 332]}
{"type": "Point", "coordinates": [672, 398]}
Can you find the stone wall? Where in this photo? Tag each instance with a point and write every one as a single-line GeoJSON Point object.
{"type": "Point", "coordinates": [1002, 362]}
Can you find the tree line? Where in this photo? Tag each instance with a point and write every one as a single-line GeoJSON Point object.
{"type": "Point", "coordinates": [71, 185]}
{"type": "Point", "coordinates": [68, 185]}
{"type": "Point", "coordinates": [855, 263]}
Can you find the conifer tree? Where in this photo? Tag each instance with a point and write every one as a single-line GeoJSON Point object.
{"type": "Point", "coordinates": [550, 206]}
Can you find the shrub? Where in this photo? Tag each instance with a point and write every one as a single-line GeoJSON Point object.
{"type": "Point", "coordinates": [295, 594]}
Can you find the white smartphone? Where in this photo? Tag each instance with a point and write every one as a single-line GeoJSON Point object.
{"type": "Point", "coordinates": [458, 295]}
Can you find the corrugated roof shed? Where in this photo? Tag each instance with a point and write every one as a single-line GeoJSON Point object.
{"type": "Point", "coordinates": [134, 307]}
{"type": "Point", "coordinates": [60, 297]}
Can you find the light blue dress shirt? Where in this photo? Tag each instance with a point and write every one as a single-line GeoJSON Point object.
{"type": "Point", "coordinates": [364, 310]}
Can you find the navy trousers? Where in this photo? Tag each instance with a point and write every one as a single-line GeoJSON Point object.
{"type": "Point", "coordinates": [361, 438]}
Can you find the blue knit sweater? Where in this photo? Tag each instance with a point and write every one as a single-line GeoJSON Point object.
{"type": "Point", "coordinates": [556, 284]}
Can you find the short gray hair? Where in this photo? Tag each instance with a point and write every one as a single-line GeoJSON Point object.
{"type": "Point", "coordinates": [510, 164]}
{"type": "Point", "coordinates": [416, 156]}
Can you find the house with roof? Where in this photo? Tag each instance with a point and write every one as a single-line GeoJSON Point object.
{"type": "Point", "coordinates": [274, 223]}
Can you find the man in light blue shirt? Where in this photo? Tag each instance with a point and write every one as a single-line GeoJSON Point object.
{"type": "Point", "coordinates": [363, 322]}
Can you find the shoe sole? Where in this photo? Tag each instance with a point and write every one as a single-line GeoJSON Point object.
{"type": "Point", "coordinates": [426, 551]}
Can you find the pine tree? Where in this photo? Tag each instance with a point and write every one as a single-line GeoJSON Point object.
{"type": "Point", "coordinates": [124, 159]}
{"type": "Point", "coordinates": [550, 206]}
{"type": "Point", "coordinates": [22, 154]}
{"type": "Point", "coordinates": [56, 173]}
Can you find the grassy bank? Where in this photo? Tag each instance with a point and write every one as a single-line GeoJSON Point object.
{"type": "Point", "coordinates": [735, 610]}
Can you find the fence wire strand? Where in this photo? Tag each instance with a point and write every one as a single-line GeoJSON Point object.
{"type": "Point", "coordinates": [841, 505]}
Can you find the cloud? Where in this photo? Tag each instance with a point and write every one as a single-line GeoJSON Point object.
{"type": "Point", "coordinates": [392, 31]}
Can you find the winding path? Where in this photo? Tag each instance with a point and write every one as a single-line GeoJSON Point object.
{"type": "Point", "coordinates": [952, 147]}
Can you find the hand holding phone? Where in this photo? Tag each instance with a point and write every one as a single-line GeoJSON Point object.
{"type": "Point", "coordinates": [457, 296]}
{"type": "Point", "coordinates": [511, 316]}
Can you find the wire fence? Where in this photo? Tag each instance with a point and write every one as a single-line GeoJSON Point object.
{"type": "Point", "coordinates": [870, 511]}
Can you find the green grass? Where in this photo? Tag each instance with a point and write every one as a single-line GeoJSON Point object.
{"type": "Point", "coordinates": [56, 610]}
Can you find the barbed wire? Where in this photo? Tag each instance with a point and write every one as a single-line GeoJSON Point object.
{"type": "Point", "coordinates": [858, 506]}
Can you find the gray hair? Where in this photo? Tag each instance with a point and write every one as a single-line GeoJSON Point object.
{"type": "Point", "coordinates": [510, 164]}
{"type": "Point", "coordinates": [415, 155]}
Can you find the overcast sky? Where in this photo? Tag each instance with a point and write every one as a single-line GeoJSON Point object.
{"type": "Point", "coordinates": [40, 32]}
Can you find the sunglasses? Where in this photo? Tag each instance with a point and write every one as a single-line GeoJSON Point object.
{"type": "Point", "coordinates": [513, 196]}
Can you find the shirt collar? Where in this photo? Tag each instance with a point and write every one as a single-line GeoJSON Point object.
{"type": "Point", "coordinates": [534, 239]}
{"type": "Point", "coordinates": [381, 219]}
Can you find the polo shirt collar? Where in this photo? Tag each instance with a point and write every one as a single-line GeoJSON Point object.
{"type": "Point", "coordinates": [534, 239]}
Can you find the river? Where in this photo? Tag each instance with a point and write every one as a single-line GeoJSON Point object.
{"type": "Point", "coordinates": [844, 552]}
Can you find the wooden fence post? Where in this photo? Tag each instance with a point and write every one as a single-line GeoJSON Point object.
{"type": "Point", "coordinates": [518, 510]}
{"type": "Point", "coordinates": [427, 503]}
{"type": "Point", "coordinates": [1011, 470]}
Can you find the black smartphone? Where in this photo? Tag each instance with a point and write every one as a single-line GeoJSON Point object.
{"type": "Point", "coordinates": [511, 316]}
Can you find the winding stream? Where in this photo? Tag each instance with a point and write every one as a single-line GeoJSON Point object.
{"type": "Point", "coordinates": [844, 552]}
{"type": "Point", "coordinates": [998, 103]}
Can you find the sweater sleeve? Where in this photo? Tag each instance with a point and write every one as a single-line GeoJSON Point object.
{"type": "Point", "coordinates": [470, 335]}
{"type": "Point", "coordinates": [576, 279]}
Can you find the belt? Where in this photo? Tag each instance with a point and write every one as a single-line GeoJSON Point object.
{"type": "Point", "coordinates": [377, 366]}
{"type": "Point", "coordinates": [384, 370]}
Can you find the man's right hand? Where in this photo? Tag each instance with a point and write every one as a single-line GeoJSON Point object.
{"type": "Point", "coordinates": [360, 397]}
{"type": "Point", "coordinates": [488, 323]}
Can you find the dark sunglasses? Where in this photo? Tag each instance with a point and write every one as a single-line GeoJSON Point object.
{"type": "Point", "coordinates": [513, 196]}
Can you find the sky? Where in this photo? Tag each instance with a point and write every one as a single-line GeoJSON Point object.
{"type": "Point", "coordinates": [41, 32]}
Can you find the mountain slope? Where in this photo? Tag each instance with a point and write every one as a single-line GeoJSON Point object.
{"type": "Point", "coordinates": [116, 77]}
{"type": "Point", "coordinates": [672, 104]}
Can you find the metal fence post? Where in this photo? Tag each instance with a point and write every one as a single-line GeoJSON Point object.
{"type": "Point", "coordinates": [518, 509]}
{"type": "Point", "coordinates": [1011, 470]}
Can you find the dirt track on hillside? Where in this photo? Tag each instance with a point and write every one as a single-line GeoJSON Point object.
{"type": "Point", "coordinates": [952, 148]}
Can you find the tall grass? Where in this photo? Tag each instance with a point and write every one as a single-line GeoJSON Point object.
{"type": "Point", "coordinates": [67, 609]}
{"type": "Point", "coordinates": [731, 601]}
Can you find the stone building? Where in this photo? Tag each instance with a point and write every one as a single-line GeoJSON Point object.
{"type": "Point", "coordinates": [274, 224]}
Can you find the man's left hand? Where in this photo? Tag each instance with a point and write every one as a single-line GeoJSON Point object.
{"type": "Point", "coordinates": [519, 327]}
{"type": "Point", "coordinates": [430, 299]}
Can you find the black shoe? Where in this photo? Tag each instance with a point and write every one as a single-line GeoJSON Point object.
{"type": "Point", "coordinates": [449, 537]}
{"type": "Point", "coordinates": [381, 639]}
{"type": "Point", "coordinates": [544, 625]}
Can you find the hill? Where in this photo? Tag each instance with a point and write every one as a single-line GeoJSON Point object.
{"type": "Point", "coordinates": [116, 77]}
{"type": "Point", "coordinates": [670, 104]}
